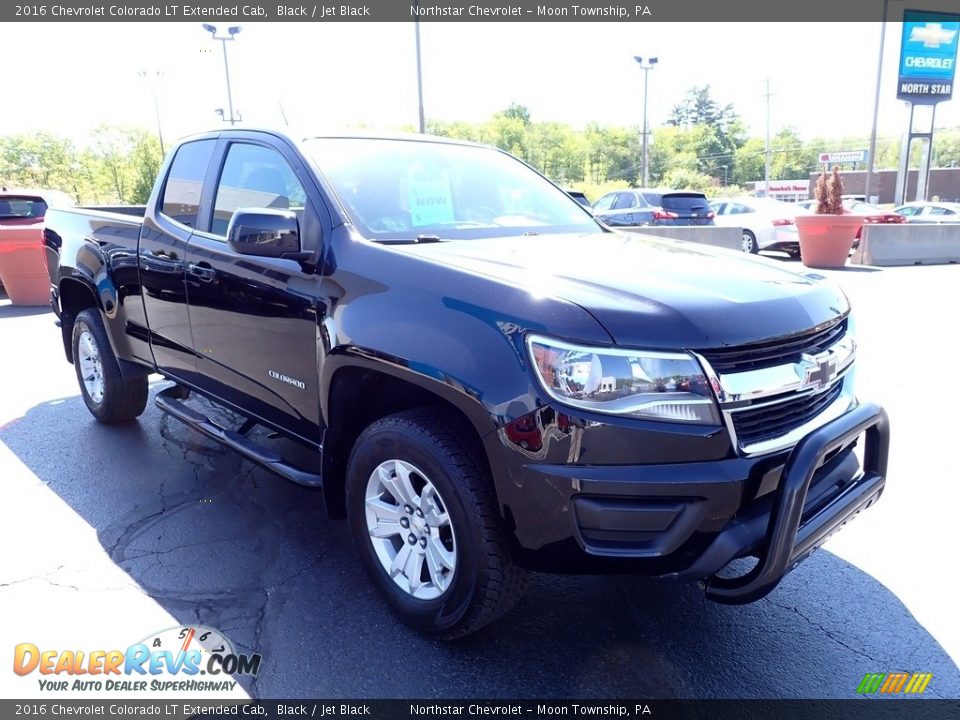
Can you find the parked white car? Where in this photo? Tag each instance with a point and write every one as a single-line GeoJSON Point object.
{"type": "Point", "coordinates": [767, 224]}
{"type": "Point", "coordinates": [930, 212]}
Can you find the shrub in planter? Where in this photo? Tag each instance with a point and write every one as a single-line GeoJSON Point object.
{"type": "Point", "coordinates": [827, 236]}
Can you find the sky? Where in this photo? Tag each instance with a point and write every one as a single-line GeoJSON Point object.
{"type": "Point", "coordinates": [324, 76]}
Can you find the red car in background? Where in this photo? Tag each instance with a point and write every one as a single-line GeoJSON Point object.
{"type": "Point", "coordinates": [872, 214]}
{"type": "Point", "coordinates": [23, 267]}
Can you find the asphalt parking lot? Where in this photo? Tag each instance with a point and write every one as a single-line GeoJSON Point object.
{"type": "Point", "coordinates": [112, 533]}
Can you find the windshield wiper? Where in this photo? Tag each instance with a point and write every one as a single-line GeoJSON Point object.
{"type": "Point", "coordinates": [423, 238]}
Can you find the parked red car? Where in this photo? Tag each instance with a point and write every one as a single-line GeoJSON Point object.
{"type": "Point", "coordinates": [872, 214]}
{"type": "Point", "coordinates": [23, 267]}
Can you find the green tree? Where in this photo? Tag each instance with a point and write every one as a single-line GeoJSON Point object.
{"type": "Point", "coordinates": [789, 157]}
{"type": "Point", "coordinates": [946, 148]}
{"type": "Point", "coordinates": [699, 108]}
{"type": "Point", "coordinates": [612, 154]}
{"type": "Point", "coordinates": [558, 152]}
{"type": "Point", "coordinates": [518, 112]}
{"type": "Point", "coordinates": [748, 161]}
{"type": "Point", "coordinates": [697, 148]}
{"type": "Point", "coordinates": [683, 179]}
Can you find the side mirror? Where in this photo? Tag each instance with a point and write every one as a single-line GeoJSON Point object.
{"type": "Point", "coordinates": [265, 232]}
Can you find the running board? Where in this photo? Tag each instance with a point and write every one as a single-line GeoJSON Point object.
{"type": "Point", "coordinates": [169, 401]}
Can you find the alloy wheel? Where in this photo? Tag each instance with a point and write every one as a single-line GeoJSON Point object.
{"type": "Point", "coordinates": [91, 366]}
{"type": "Point", "coordinates": [410, 529]}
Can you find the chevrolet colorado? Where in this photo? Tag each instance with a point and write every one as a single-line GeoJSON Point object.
{"type": "Point", "coordinates": [488, 380]}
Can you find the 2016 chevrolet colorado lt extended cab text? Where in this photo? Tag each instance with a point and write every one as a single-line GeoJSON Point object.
{"type": "Point", "coordinates": [489, 379]}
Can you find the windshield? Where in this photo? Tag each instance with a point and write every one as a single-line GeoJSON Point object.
{"type": "Point", "coordinates": [405, 189]}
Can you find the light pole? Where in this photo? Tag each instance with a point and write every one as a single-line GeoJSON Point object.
{"type": "Point", "coordinates": [646, 72]}
{"type": "Point", "coordinates": [876, 108]}
{"type": "Point", "coordinates": [416, 31]}
{"type": "Point", "coordinates": [766, 152]}
{"type": "Point", "coordinates": [154, 77]}
{"type": "Point", "coordinates": [232, 35]}
{"type": "Point", "coordinates": [725, 168]}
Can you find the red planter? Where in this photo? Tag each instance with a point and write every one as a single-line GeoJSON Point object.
{"type": "Point", "coordinates": [23, 264]}
{"type": "Point", "coordinates": [825, 240]}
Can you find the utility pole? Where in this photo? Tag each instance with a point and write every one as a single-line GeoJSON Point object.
{"type": "Point", "coordinates": [423, 121]}
{"type": "Point", "coordinates": [766, 163]}
{"type": "Point", "coordinates": [153, 77]}
{"type": "Point", "coordinates": [646, 72]}
{"type": "Point", "coordinates": [876, 109]}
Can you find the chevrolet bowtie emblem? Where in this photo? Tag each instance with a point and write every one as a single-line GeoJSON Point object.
{"type": "Point", "coordinates": [818, 372]}
{"type": "Point", "coordinates": [932, 35]}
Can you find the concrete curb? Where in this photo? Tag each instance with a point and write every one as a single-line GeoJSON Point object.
{"type": "Point", "coordinates": [725, 237]}
{"type": "Point", "coordinates": [891, 245]}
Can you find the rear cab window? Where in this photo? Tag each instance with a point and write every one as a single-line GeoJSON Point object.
{"type": "Point", "coordinates": [17, 207]}
{"type": "Point", "coordinates": [184, 183]}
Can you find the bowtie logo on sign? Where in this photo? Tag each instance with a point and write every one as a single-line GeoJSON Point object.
{"type": "Point", "coordinates": [932, 35]}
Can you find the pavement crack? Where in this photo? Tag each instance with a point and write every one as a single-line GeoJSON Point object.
{"type": "Point", "coordinates": [158, 553]}
{"type": "Point", "coordinates": [42, 576]}
{"type": "Point", "coordinates": [829, 634]}
{"type": "Point", "coordinates": [309, 566]}
{"type": "Point", "coordinates": [258, 637]}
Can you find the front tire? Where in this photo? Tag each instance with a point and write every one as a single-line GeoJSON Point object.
{"type": "Point", "coordinates": [109, 396]}
{"type": "Point", "coordinates": [748, 243]}
{"type": "Point", "coordinates": [423, 515]}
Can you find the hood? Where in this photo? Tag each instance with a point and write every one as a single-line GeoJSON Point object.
{"type": "Point", "coordinates": [654, 292]}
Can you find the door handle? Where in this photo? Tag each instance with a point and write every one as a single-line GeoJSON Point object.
{"type": "Point", "coordinates": [201, 272]}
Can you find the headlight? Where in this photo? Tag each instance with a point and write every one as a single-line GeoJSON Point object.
{"type": "Point", "coordinates": [637, 383]}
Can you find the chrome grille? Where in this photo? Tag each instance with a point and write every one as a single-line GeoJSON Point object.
{"type": "Point", "coordinates": [770, 353]}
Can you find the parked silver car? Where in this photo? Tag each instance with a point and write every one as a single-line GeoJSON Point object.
{"type": "Point", "coordinates": [930, 212]}
{"type": "Point", "coordinates": [767, 224]}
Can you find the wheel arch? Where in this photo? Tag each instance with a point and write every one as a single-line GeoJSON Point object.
{"type": "Point", "coordinates": [75, 297]}
{"type": "Point", "coordinates": [358, 391]}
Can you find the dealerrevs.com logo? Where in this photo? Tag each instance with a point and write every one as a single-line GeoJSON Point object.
{"type": "Point", "coordinates": [180, 659]}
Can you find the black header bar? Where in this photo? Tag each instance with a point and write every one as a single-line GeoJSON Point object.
{"type": "Point", "coordinates": [634, 11]}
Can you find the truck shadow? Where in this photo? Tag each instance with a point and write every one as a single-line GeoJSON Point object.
{"type": "Point", "coordinates": [216, 540]}
{"type": "Point", "coordinates": [8, 310]}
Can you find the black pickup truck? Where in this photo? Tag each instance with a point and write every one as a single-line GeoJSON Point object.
{"type": "Point", "coordinates": [489, 380]}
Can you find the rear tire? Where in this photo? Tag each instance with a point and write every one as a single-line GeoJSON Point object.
{"type": "Point", "coordinates": [446, 509]}
{"type": "Point", "coordinates": [109, 396]}
{"type": "Point", "coordinates": [748, 243]}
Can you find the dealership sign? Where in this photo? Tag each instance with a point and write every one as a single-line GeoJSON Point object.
{"type": "Point", "coordinates": [928, 56]}
{"type": "Point", "coordinates": [845, 156]}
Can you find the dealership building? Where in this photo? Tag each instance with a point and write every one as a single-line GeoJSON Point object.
{"type": "Point", "coordinates": [944, 184]}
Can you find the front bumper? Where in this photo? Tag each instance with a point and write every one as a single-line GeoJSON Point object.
{"type": "Point", "coordinates": [689, 520]}
{"type": "Point", "coordinates": [797, 523]}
